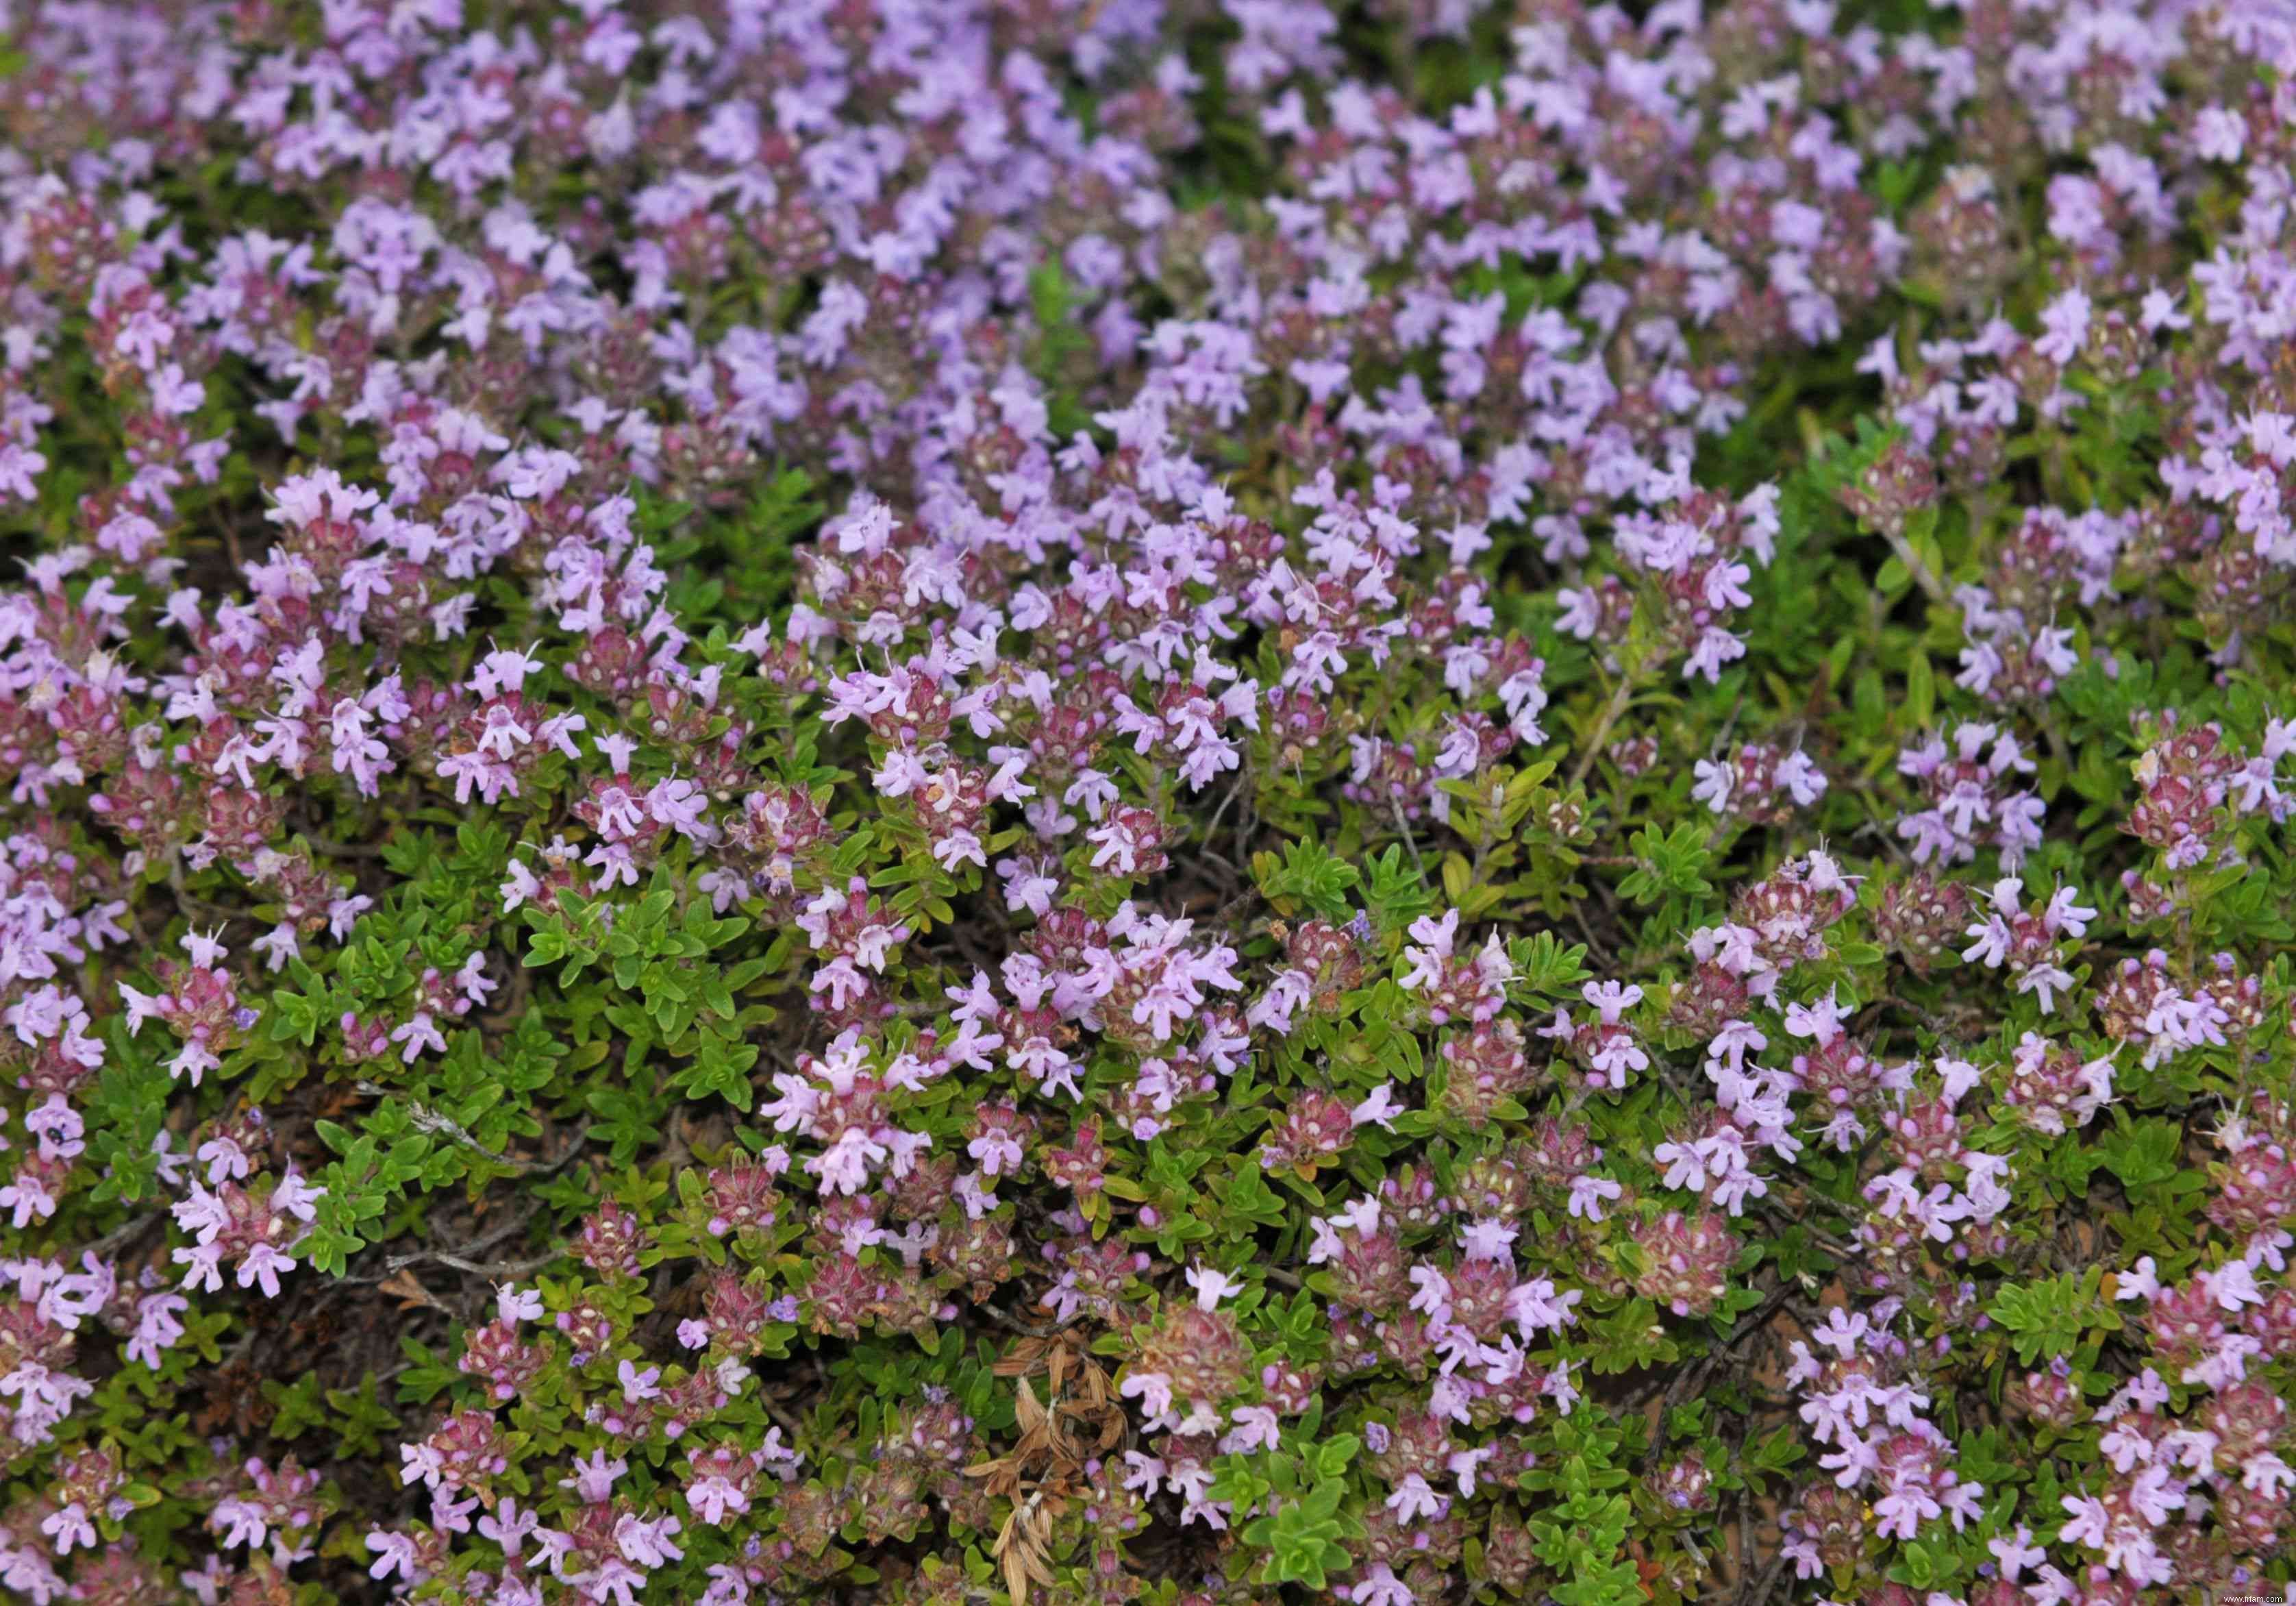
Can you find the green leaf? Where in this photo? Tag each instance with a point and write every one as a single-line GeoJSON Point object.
{"type": "Point", "coordinates": [2049, 1319]}
{"type": "Point", "coordinates": [1309, 875]}
{"type": "Point", "coordinates": [1394, 893]}
{"type": "Point", "coordinates": [2141, 1152]}
{"type": "Point", "coordinates": [1542, 965]}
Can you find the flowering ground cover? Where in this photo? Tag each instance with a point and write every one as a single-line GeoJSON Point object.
{"type": "Point", "coordinates": [1166, 800]}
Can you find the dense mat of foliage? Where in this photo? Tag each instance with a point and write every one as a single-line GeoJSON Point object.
{"type": "Point", "coordinates": [1147, 800]}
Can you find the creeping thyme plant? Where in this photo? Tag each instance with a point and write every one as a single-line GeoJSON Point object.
{"type": "Point", "coordinates": [1165, 801]}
